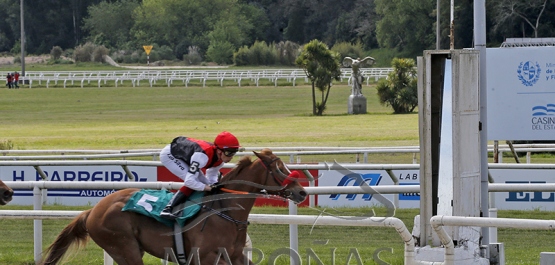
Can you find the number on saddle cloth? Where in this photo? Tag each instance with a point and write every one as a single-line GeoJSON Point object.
{"type": "Point", "coordinates": [152, 202]}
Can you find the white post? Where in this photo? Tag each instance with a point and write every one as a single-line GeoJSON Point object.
{"type": "Point", "coordinates": [108, 259]}
{"type": "Point", "coordinates": [493, 230]}
{"type": "Point", "coordinates": [37, 224]}
{"type": "Point", "coordinates": [547, 258]}
{"type": "Point", "coordinates": [293, 233]}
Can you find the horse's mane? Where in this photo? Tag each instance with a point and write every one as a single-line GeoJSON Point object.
{"type": "Point", "coordinates": [244, 163]}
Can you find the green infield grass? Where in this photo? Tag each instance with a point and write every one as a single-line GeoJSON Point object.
{"type": "Point", "coordinates": [145, 117]}
{"type": "Point", "coordinates": [521, 246]}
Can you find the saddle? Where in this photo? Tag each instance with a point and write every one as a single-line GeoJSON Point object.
{"type": "Point", "coordinates": [152, 202]}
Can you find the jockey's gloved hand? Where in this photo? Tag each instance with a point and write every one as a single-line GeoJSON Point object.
{"type": "Point", "coordinates": [216, 187]}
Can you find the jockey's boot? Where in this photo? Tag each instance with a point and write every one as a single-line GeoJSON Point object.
{"type": "Point", "coordinates": [178, 198]}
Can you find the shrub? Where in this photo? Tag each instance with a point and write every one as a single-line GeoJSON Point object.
{"type": "Point", "coordinates": [220, 52]}
{"type": "Point", "coordinates": [83, 53]}
{"type": "Point", "coordinates": [16, 47]}
{"type": "Point", "coordinates": [262, 54]}
{"type": "Point", "coordinates": [136, 56]}
{"type": "Point", "coordinates": [165, 53]}
{"type": "Point", "coordinates": [399, 90]}
{"type": "Point", "coordinates": [241, 57]}
{"type": "Point", "coordinates": [56, 52]}
{"type": "Point", "coordinates": [287, 52]}
{"type": "Point", "coordinates": [346, 49]}
{"type": "Point", "coordinates": [127, 59]}
{"type": "Point", "coordinates": [98, 54]}
{"type": "Point", "coordinates": [118, 55]}
{"type": "Point", "coordinates": [6, 145]}
{"type": "Point", "coordinates": [193, 56]}
{"type": "Point", "coordinates": [90, 52]}
{"type": "Point", "coordinates": [182, 48]}
{"type": "Point", "coordinates": [68, 53]}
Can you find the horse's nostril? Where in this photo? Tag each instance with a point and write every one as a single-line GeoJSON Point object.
{"type": "Point", "coordinates": [303, 193]}
{"type": "Point", "coordinates": [8, 194]}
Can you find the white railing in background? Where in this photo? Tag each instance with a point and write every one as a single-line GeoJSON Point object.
{"type": "Point", "coordinates": [183, 77]}
{"type": "Point", "coordinates": [294, 153]}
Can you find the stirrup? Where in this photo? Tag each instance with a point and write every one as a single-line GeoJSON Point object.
{"type": "Point", "coordinates": [167, 214]}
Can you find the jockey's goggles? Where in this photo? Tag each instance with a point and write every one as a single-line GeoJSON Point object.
{"type": "Point", "coordinates": [229, 152]}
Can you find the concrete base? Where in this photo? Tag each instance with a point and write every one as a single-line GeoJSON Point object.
{"type": "Point", "coordinates": [547, 258]}
{"type": "Point", "coordinates": [497, 254]}
{"type": "Point", "coordinates": [462, 256]}
{"type": "Point", "coordinates": [357, 104]}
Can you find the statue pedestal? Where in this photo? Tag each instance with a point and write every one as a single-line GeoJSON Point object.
{"type": "Point", "coordinates": [357, 104]}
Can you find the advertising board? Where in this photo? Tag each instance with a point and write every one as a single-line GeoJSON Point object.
{"type": "Point", "coordinates": [524, 200]}
{"type": "Point", "coordinates": [373, 178]}
{"type": "Point", "coordinates": [521, 93]}
{"type": "Point", "coordinates": [72, 197]}
{"type": "Point", "coordinates": [85, 196]}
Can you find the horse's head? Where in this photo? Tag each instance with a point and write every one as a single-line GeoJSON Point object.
{"type": "Point", "coordinates": [5, 193]}
{"type": "Point", "coordinates": [279, 179]}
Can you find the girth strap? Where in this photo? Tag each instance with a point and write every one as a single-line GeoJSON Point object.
{"type": "Point", "coordinates": [225, 216]}
{"type": "Point", "coordinates": [179, 246]}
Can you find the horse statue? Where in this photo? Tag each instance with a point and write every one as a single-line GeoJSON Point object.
{"type": "Point", "coordinates": [6, 193]}
{"type": "Point", "coordinates": [221, 224]}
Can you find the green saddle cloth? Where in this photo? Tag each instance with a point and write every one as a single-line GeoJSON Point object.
{"type": "Point", "coordinates": [152, 202]}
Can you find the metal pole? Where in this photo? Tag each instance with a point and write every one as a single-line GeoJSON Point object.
{"type": "Point", "coordinates": [452, 27]}
{"type": "Point", "coordinates": [438, 28]}
{"type": "Point", "coordinates": [480, 45]}
{"type": "Point", "coordinates": [22, 42]}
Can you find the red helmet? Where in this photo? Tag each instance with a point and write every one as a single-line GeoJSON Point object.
{"type": "Point", "coordinates": [226, 140]}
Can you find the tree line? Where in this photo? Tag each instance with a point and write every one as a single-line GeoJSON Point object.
{"type": "Point", "coordinates": [218, 28]}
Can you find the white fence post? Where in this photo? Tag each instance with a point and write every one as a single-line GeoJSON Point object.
{"type": "Point", "coordinates": [37, 224]}
{"type": "Point", "coordinates": [108, 259]}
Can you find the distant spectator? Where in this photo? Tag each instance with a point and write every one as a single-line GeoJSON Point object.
{"type": "Point", "coordinates": [15, 83]}
{"type": "Point", "coordinates": [9, 80]}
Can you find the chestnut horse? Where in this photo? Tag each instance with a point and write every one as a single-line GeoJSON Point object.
{"type": "Point", "coordinates": [5, 193]}
{"type": "Point", "coordinates": [220, 225]}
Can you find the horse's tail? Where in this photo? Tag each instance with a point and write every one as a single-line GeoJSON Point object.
{"type": "Point", "coordinates": [74, 234]}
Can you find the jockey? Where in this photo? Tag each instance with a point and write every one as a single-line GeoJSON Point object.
{"type": "Point", "coordinates": [185, 157]}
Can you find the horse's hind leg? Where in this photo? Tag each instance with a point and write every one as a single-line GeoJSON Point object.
{"type": "Point", "coordinates": [121, 245]}
{"type": "Point", "coordinates": [124, 253]}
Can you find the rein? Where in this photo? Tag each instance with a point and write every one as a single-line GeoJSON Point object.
{"type": "Point", "coordinates": [282, 192]}
{"type": "Point", "coordinates": [225, 216]}
{"type": "Point", "coordinates": [234, 191]}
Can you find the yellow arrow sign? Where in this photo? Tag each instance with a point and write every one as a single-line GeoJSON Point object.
{"type": "Point", "coordinates": [147, 48]}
